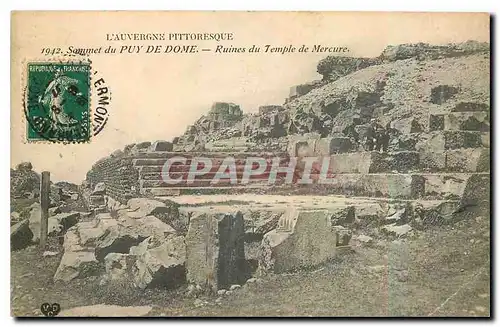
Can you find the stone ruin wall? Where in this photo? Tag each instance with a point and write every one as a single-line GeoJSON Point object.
{"type": "Point", "coordinates": [119, 176]}
{"type": "Point", "coordinates": [278, 128]}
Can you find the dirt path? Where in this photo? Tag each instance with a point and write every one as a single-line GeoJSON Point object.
{"type": "Point", "coordinates": [441, 272]}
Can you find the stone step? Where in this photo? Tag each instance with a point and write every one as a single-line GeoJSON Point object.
{"type": "Point", "coordinates": [399, 186]}
{"type": "Point", "coordinates": [346, 211]}
{"type": "Point", "coordinates": [204, 183]}
{"type": "Point", "coordinates": [461, 160]}
{"type": "Point", "coordinates": [216, 161]}
{"type": "Point", "coordinates": [466, 121]}
{"type": "Point", "coordinates": [471, 106]}
{"type": "Point", "coordinates": [206, 154]}
{"type": "Point", "coordinates": [176, 191]}
{"type": "Point", "coordinates": [444, 140]}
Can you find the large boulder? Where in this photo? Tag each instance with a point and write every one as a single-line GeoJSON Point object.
{"type": "Point", "coordinates": [24, 183]}
{"type": "Point", "coordinates": [342, 215]}
{"type": "Point", "coordinates": [117, 239]}
{"type": "Point", "coordinates": [67, 219]}
{"type": "Point", "coordinates": [76, 264]}
{"type": "Point", "coordinates": [442, 93]}
{"type": "Point", "coordinates": [120, 237]}
{"type": "Point", "coordinates": [84, 236]}
{"type": "Point", "coordinates": [166, 211]}
{"type": "Point", "coordinates": [261, 222]}
{"type": "Point", "coordinates": [334, 67]}
{"type": "Point", "coordinates": [159, 265]}
{"type": "Point", "coordinates": [20, 235]}
{"type": "Point", "coordinates": [215, 250]}
{"type": "Point", "coordinates": [119, 267]}
{"type": "Point", "coordinates": [304, 238]}
{"type": "Point", "coordinates": [24, 166]}
{"type": "Point", "coordinates": [57, 224]}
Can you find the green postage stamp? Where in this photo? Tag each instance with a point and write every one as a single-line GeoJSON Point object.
{"type": "Point", "coordinates": [57, 103]}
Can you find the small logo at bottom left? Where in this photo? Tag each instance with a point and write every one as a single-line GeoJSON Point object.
{"type": "Point", "coordinates": [50, 310]}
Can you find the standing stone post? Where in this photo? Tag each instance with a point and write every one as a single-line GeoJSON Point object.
{"type": "Point", "coordinates": [44, 205]}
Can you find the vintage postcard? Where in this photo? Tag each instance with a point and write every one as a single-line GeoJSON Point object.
{"type": "Point", "coordinates": [258, 164]}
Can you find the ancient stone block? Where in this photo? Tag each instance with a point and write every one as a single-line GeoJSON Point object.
{"type": "Point", "coordinates": [261, 222]}
{"type": "Point", "coordinates": [342, 215]}
{"type": "Point", "coordinates": [302, 89]}
{"type": "Point", "coordinates": [434, 213]}
{"type": "Point", "coordinates": [304, 238]}
{"type": "Point", "coordinates": [215, 250]}
{"type": "Point", "coordinates": [402, 161]}
{"type": "Point", "coordinates": [57, 224]}
{"type": "Point", "coordinates": [468, 160]}
{"type": "Point", "coordinates": [461, 139]}
{"type": "Point", "coordinates": [436, 122]}
{"type": "Point", "coordinates": [343, 235]}
{"type": "Point", "coordinates": [334, 67]}
{"type": "Point", "coordinates": [477, 190]}
{"type": "Point", "coordinates": [407, 125]}
{"type": "Point", "coordinates": [402, 186]}
{"type": "Point", "coordinates": [67, 220]}
{"type": "Point", "coordinates": [140, 147]}
{"type": "Point", "coordinates": [225, 111]}
{"type": "Point", "coordinates": [117, 239]}
{"type": "Point", "coordinates": [167, 211]}
{"type": "Point", "coordinates": [468, 121]}
{"type": "Point", "coordinates": [76, 264]}
{"type": "Point", "coordinates": [234, 144]}
{"type": "Point", "coordinates": [161, 146]}
{"type": "Point", "coordinates": [485, 140]}
{"type": "Point", "coordinates": [433, 161]}
{"type": "Point", "coordinates": [369, 214]}
{"type": "Point", "coordinates": [471, 106]}
{"type": "Point", "coordinates": [441, 93]}
{"type": "Point", "coordinates": [397, 230]}
{"type": "Point", "coordinates": [119, 267]}
{"type": "Point", "coordinates": [356, 162]}
{"type": "Point", "coordinates": [446, 186]}
{"type": "Point", "coordinates": [72, 241]}
{"type": "Point", "coordinates": [264, 110]}
{"type": "Point", "coordinates": [20, 235]}
{"type": "Point", "coordinates": [332, 145]}
{"type": "Point", "coordinates": [302, 145]}
{"type": "Point", "coordinates": [159, 265]}
{"type": "Point", "coordinates": [99, 189]}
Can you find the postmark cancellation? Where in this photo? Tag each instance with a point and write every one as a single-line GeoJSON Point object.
{"type": "Point", "coordinates": [57, 101]}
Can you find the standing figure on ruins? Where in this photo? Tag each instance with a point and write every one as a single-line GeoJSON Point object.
{"type": "Point", "coordinates": [370, 136]}
{"type": "Point", "coordinates": [380, 137]}
{"type": "Point", "coordinates": [350, 132]}
{"type": "Point", "coordinates": [386, 137]}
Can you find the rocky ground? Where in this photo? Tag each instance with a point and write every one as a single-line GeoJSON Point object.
{"type": "Point", "coordinates": [443, 271]}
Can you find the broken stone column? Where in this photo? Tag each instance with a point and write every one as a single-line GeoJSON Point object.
{"type": "Point", "coordinates": [215, 250]}
{"type": "Point", "coordinates": [304, 238]}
